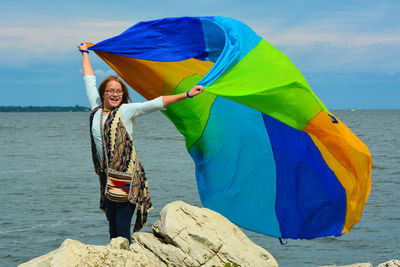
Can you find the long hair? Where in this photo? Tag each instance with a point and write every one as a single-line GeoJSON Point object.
{"type": "Point", "coordinates": [125, 97]}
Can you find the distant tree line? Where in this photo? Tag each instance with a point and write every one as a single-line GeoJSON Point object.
{"type": "Point", "coordinates": [43, 109]}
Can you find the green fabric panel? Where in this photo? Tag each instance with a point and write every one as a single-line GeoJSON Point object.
{"type": "Point", "coordinates": [266, 80]}
{"type": "Point", "coordinates": [190, 116]}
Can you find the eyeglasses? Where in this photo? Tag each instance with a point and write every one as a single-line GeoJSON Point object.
{"type": "Point", "coordinates": [114, 92]}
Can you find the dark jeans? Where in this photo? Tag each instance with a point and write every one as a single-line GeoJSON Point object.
{"type": "Point", "coordinates": [119, 216]}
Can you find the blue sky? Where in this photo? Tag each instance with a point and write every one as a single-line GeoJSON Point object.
{"type": "Point", "coordinates": [349, 51]}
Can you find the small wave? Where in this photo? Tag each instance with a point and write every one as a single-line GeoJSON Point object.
{"type": "Point", "coordinates": [169, 138]}
{"type": "Point", "coordinates": [22, 230]}
{"type": "Point", "coordinates": [21, 171]}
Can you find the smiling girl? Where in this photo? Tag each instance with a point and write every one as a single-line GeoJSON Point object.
{"type": "Point", "coordinates": [111, 129]}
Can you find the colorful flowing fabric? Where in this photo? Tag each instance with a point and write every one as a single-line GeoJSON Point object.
{"type": "Point", "coordinates": [269, 155]}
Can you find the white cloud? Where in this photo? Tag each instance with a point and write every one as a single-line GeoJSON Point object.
{"type": "Point", "coordinates": [106, 24]}
{"type": "Point", "coordinates": [33, 41]}
{"type": "Point", "coordinates": [103, 73]}
{"type": "Point", "coordinates": [56, 41]}
{"type": "Point", "coordinates": [62, 38]}
{"type": "Point", "coordinates": [306, 37]}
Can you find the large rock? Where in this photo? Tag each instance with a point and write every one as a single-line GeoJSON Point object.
{"type": "Point", "coordinates": [183, 236]}
{"type": "Point", "coordinates": [190, 236]}
{"type": "Point", "coordinates": [392, 263]}
{"type": "Point", "coordinates": [75, 253]}
{"type": "Point", "coordinates": [360, 264]}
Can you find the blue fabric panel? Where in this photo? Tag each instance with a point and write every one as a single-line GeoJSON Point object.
{"type": "Point", "coordinates": [235, 167]}
{"type": "Point", "coordinates": [240, 39]}
{"type": "Point", "coordinates": [214, 38]}
{"type": "Point", "coordinates": [310, 201]}
{"type": "Point", "coordinates": [170, 39]}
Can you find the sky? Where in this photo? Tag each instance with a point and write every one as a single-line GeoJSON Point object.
{"type": "Point", "coordinates": [348, 51]}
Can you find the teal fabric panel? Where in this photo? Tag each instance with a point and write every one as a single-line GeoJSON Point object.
{"type": "Point", "coordinates": [235, 167]}
{"type": "Point", "coordinates": [236, 46]}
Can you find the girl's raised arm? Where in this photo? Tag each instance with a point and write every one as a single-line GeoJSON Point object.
{"type": "Point", "coordinates": [86, 67]}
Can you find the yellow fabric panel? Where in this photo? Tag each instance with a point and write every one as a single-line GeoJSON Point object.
{"type": "Point", "coordinates": [161, 77]}
{"type": "Point", "coordinates": [348, 158]}
{"type": "Point", "coordinates": [362, 158]}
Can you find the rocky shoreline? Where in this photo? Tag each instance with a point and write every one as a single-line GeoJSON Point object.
{"type": "Point", "coordinates": [183, 236]}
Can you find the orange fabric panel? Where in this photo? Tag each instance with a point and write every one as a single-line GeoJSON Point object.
{"type": "Point", "coordinates": [161, 77]}
{"type": "Point", "coordinates": [348, 158]}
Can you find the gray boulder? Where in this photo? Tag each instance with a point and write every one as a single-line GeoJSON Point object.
{"type": "Point", "coordinates": [75, 253]}
{"type": "Point", "coordinates": [392, 263]}
{"type": "Point", "coordinates": [183, 236]}
{"type": "Point", "coordinates": [360, 264]}
{"type": "Point", "coordinates": [190, 236]}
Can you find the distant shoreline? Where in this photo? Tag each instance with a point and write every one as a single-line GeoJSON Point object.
{"type": "Point", "coordinates": [77, 108]}
{"type": "Point", "coordinates": [44, 109]}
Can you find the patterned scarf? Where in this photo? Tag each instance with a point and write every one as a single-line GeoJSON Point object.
{"type": "Point", "coordinates": [121, 155]}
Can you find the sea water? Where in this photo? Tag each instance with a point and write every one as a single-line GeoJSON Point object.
{"type": "Point", "coordinates": [49, 191]}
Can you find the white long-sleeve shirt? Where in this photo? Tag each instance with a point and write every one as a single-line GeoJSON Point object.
{"type": "Point", "coordinates": [128, 112]}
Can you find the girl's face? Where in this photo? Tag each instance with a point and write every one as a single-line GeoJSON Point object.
{"type": "Point", "coordinates": [112, 95]}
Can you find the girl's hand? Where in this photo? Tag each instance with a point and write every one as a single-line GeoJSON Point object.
{"type": "Point", "coordinates": [82, 46]}
{"type": "Point", "coordinates": [197, 89]}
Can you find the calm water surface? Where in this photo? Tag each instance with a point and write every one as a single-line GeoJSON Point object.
{"type": "Point", "coordinates": [50, 192]}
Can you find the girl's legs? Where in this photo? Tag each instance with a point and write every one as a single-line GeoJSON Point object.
{"type": "Point", "coordinates": [119, 216]}
{"type": "Point", "coordinates": [111, 214]}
